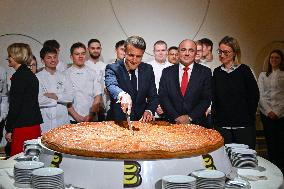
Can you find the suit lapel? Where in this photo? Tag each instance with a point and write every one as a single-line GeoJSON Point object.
{"type": "Point", "coordinates": [140, 80]}
{"type": "Point", "coordinates": [125, 76]}
{"type": "Point", "coordinates": [176, 79]}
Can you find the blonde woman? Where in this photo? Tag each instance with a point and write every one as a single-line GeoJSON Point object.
{"type": "Point", "coordinates": [24, 117]}
{"type": "Point", "coordinates": [235, 96]}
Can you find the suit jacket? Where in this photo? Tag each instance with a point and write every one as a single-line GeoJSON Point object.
{"type": "Point", "coordinates": [23, 100]}
{"type": "Point", "coordinates": [117, 80]}
{"type": "Point", "coordinates": [197, 97]}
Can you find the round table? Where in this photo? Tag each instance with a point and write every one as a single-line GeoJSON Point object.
{"type": "Point", "coordinates": [266, 168]}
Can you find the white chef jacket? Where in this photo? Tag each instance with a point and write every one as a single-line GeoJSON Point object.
{"type": "Point", "coordinates": [54, 112]}
{"type": "Point", "coordinates": [85, 86]}
{"type": "Point", "coordinates": [158, 69]}
{"type": "Point", "coordinates": [61, 66]}
{"type": "Point", "coordinates": [271, 90]}
{"type": "Point", "coordinates": [4, 106]}
{"type": "Point", "coordinates": [99, 69]}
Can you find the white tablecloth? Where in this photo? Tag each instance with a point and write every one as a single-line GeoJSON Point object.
{"type": "Point", "coordinates": [271, 171]}
{"type": "Point", "coordinates": [273, 174]}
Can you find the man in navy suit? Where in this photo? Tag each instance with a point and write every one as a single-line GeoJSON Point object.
{"type": "Point", "coordinates": [131, 85]}
{"type": "Point", "coordinates": [185, 88]}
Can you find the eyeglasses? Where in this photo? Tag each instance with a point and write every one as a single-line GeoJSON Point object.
{"type": "Point", "coordinates": [31, 65]}
{"type": "Point", "coordinates": [226, 53]}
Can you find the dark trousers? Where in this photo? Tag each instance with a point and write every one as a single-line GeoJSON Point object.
{"type": "Point", "coordinates": [274, 135]}
{"type": "Point", "coordinates": [244, 135]}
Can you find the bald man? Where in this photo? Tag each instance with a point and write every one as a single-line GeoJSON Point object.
{"type": "Point", "coordinates": [185, 88]}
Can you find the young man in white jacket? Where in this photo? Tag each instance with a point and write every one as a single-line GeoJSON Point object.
{"type": "Point", "coordinates": [86, 87]}
{"type": "Point", "coordinates": [54, 91]}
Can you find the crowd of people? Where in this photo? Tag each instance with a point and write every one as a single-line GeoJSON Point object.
{"type": "Point", "coordinates": [183, 84]}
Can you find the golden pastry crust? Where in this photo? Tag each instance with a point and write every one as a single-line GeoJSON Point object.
{"type": "Point", "coordinates": [156, 140]}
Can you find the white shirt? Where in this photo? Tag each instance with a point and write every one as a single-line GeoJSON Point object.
{"type": "Point", "coordinates": [212, 65]}
{"type": "Point", "coordinates": [54, 112]}
{"type": "Point", "coordinates": [85, 85]}
{"type": "Point", "coordinates": [181, 66]}
{"type": "Point", "coordinates": [61, 66]}
{"type": "Point", "coordinates": [271, 90]}
{"type": "Point", "coordinates": [99, 69]}
{"type": "Point", "coordinates": [158, 69]}
{"type": "Point", "coordinates": [4, 106]}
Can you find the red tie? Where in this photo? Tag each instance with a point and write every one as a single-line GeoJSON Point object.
{"type": "Point", "coordinates": [184, 80]}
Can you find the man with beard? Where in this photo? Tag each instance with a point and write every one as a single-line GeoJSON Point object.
{"type": "Point", "coordinates": [95, 49]}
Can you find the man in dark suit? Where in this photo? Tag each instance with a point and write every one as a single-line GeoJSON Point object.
{"type": "Point", "coordinates": [185, 88]}
{"type": "Point", "coordinates": [131, 85]}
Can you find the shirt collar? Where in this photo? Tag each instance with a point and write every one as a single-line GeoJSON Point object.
{"type": "Point", "coordinates": [181, 66]}
{"type": "Point", "coordinates": [231, 69]}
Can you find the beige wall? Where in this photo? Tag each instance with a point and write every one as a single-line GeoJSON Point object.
{"type": "Point", "coordinates": [257, 24]}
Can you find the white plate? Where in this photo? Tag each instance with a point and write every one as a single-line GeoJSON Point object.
{"type": "Point", "coordinates": [235, 145]}
{"type": "Point", "coordinates": [29, 165]}
{"type": "Point", "coordinates": [211, 174]}
{"type": "Point", "coordinates": [178, 179]}
{"type": "Point", "coordinates": [47, 171]}
{"type": "Point", "coordinates": [243, 151]}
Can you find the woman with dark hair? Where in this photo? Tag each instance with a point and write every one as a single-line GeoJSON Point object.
{"type": "Point", "coordinates": [235, 96]}
{"type": "Point", "coordinates": [24, 117]}
{"type": "Point", "coordinates": [33, 65]}
{"type": "Point", "coordinates": [271, 106]}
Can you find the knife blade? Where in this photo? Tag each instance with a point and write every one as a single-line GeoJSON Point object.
{"type": "Point", "coordinates": [129, 123]}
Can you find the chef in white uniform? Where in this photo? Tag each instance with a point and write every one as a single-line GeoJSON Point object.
{"type": "Point", "coordinates": [94, 62]}
{"type": "Point", "coordinates": [55, 91]}
{"type": "Point", "coordinates": [87, 89]}
{"type": "Point", "coordinates": [159, 63]}
{"type": "Point", "coordinates": [4, 106]}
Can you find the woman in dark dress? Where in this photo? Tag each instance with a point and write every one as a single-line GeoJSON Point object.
{"type": "Point", "coordinates": [24, 117]}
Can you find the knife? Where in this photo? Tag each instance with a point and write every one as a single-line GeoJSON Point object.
{"type": "Point", "coordinates": [129, 123]}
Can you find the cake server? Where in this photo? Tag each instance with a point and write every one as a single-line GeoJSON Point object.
{"type": "Point", "coordinates": [129, 123]}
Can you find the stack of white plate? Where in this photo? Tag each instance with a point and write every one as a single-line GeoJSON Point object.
{"type": "Point", "coordinates": [48, 178]}
{"type": "Point", "coordinates": [231, 146]}
{"type": "Point", "coordinates": [209, 179]}
{"type": "Point", "coordinates": [23, 172]}
{"type": "Point", "coordinates": [178, 182]}
{"type": "Point", "coordinates": [244, 158]}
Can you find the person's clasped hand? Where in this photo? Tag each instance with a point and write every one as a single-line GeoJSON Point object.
{"type": "Point", "coordinates": [183, 119]}
{"type": "Point", "coordinates": [147, 116]}
{"type": "Point", "coordinates": [126, 103]}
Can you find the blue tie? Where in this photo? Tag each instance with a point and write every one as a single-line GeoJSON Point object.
{"type": "Point", "coordinates": [134, 81]}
